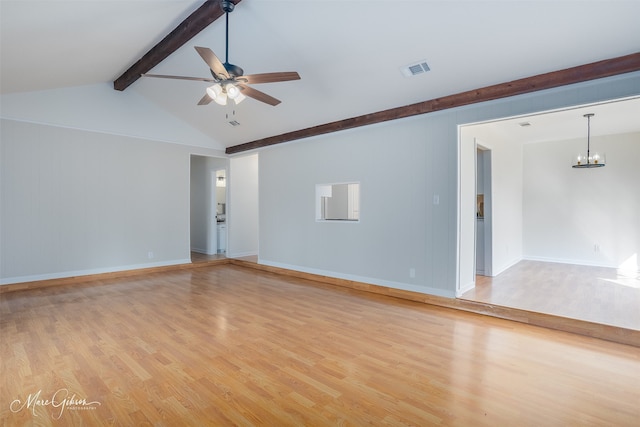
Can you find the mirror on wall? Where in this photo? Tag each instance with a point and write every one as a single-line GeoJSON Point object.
{"type": "Point", "coordinates": [338, 202]}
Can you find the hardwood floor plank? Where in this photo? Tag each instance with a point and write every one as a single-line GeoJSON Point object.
{"type": "Point", "coordinates": [225, 345]}
{"type": "Point", "coordinates": [618, 318]}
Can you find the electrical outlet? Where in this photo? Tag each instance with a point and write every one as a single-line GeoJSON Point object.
{"type": "Point", "coordinates": [436, 199]}
{"type": "Point", "coordinates": [150, 255]}
{"type": "Point", "coordinates": [412, 272]}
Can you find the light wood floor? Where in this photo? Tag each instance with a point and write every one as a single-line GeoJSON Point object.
{"type": "Point", "coordinates": [595, 294]}
{"type": "Point", "coordinates": [227, 345]}
{"type": "Point", "coordinates": [197, 257]}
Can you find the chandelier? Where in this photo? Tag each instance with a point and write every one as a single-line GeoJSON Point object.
{"type": "Point", "coordinates": [589, 161]}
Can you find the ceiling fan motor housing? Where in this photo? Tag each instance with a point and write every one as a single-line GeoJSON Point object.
{"type": "Point", "coordinates": [233, 70]}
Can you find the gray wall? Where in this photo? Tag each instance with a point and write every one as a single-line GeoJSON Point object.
{"type": "Point", "coordinates": [399, 229]}
{"type": "Point", "coordinates": [77, 202]}
{"type": "Point", "coordinates": [242, 216]}
{"type": "Point", "coordinates": [200, 204]}
{"type": "Point", "coordinates": [403, 167]}
{"type": "Point", "coordinates": [80, 202]}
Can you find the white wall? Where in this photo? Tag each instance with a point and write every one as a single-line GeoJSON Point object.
{"type": "Point", "coordinates": [466, 226]}
{"type": "Point", "coordinates": [242, 211]}
{"type": "Point", "coordinates": [503, 206]}
{"type": "Point", "coordinates": [76, 202]}
{"type": "Point", "coordinates": [506, 202]}
{"type": "Point", "coordinates": [583, 216]}
{"type": "Point", "coordinates": [99, 108]}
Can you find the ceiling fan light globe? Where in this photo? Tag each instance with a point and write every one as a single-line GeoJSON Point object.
{"type": "Point", "coordinates": [214, 91]}
{"type": "Point", "coordinates": [221, 99]}
{"type": "Point", "coordinates": [238, 99]}
{"type": "Point", "coordinates": [232, 91]}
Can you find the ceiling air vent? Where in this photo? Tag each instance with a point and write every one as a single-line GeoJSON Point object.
{"type": "Point", "coordinates": [415, 69]}
{"type": "Point", "coordinates": [232, 120]}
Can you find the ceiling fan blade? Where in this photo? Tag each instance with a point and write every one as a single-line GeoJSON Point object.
{"type": "Point", "coordinates": [162, 76]}
{"type": "Point", "coordinates": [212, 61]}
{"type": "Point", "coordinates": [260, 96]}
{"type": "Point", "coordinates": [270, 77]}
{"type": "Point", "coordinates": [205, 100]}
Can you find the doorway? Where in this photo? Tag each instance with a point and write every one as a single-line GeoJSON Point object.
{"type": "Point", "coordinates": [203, 204]}
{"type": "Point", "coordinates": [483, 211]}
{"type": "Point", "coordinates": [219, 206]}
{"type": "Point", "coordinates": [537, 203]}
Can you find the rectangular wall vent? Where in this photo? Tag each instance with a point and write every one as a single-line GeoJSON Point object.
{"type": "Point", "coordinates": [415, 69]}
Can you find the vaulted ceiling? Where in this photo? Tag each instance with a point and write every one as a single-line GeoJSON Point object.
{"type": "Point", "coordinates": [349, 53]}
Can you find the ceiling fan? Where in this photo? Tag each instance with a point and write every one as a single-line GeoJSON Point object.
{"type": "Point", "coordinates": [229, 80]}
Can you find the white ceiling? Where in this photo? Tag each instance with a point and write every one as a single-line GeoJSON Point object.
{"type": "Point", "coordinates": [609, 118]}
{"type": "Point", "coordinates": [348, 52]}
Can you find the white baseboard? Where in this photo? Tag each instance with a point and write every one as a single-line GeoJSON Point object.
{"type": "Point", "coordinates": [66, 274]}
{"type": "Point", "coordinates": [241, 254]}
{"type": "Point", "coordinates": [200, 251]}
{"type": "Point", "coordinates": [569, 261]}
{"type": "Point", "coordinates": [465, 288]}
{"type": "Point", "coordinates": [506, 267]}
{"type": "Point", "coordinates": [368, 280]}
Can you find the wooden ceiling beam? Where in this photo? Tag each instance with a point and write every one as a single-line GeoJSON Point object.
{"type": "Point", "coordinates": [581, 73]}
{"type": "Point", "coordinates": [185, 31]}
